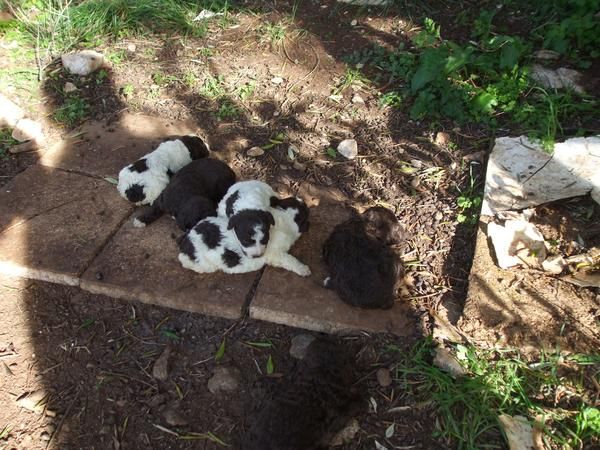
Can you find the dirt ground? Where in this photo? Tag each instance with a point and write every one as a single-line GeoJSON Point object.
{"type": "Point", "coordinates": [93, 356]}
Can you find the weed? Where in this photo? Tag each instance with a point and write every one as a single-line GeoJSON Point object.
{"type": "Point", "coordinates": [469, 202]}
{"type": "Point", "coordinates": [189, 78]}
{"type": "Point", "coordinates": [278, 139]}
{"type": "Point", "coordinates": [273, 32]}
{"type": "Point", "coordinates": [162, 79]}
{"type": "Point", "coordinates": [220, 351]}
{"type": "Point", "coordinates": [391, 99]}
{"type": "Point", "coordinates": [227, 110]}
{"type": "Point", "coordinates": [127, 90]}
{"type": "Point", "coordinates": [101, 76]}
{"type": "Point", "coordinates": [213, 87]}
{"type": "Point", "coordinates": [352, 77]}
{"type": "Point", "coordinates": [499, 381]}
{"type": "Point", "coordinates": [72, 112]}
{"type": "Point", "coordinates": [245, 90]}
{"type": "Point", "coordinates": [206, 52]}
{"type": "Point", "coordinates": [6, 141]}
{"type": "Point", "coordinates": [117, 57]}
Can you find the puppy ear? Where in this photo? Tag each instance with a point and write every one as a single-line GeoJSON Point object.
{"type": "Point", "coordinates": [274, 202]}
{"type": "Point", "coordinates": [232, 222]}
{"type": "Point", "coordinates": [269, 218]}
{"type": "Point", "coordinates": [196, 146]}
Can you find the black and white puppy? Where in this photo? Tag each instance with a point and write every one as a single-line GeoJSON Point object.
{"type": "Point", "coordinates": [192, 194]}
{"type": "Point", "coordinates": [364, 269]}
{"type": "Point", "coordinates": [308, 406]}
{"type": "Point", "coordinates": [143, 181]}
{"type": "Point", "coordinates": [247, 206]}
{"type": "Point", "coordinates": [212, 244]}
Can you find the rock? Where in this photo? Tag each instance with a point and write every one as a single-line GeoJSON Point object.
{"type": "Point", "coordinates": [206, 14]}
{"type": "Point", "coordinates": [33, 401]}
{"type": "Point", "coordinates": [384, 377]}
{"type": "Point", "coordinates": [445, 360]}
{"type": "Point", "coordinates": [28, 146]}
{"type": "Point", "coordinates": [45, 436]}
{"type": "Point", "coordinates": [416, 163]}
{"type": "Point", "coordinates": [27, 130]}
{"type": "Point", "coordinates": [10, 113]}
{"type": "Point", "coordinates": [520, 175]}
{"type": "Point", "coordinates": [69, 87]}
{"type": "Point", "coordinates": [255, 151]}
{"type": "Point", "coordinates": [518, 431]}
{"type": "Point", "coordinates": [546, 54]}
{"type": "Point", "coordinates": [131, 48]}
{"type": "Point", "coordinates": [354, 23]}
{"type": "Point", "coordinates": [160, 371]}
{"type": "Point", "coordinates": [299, 166]}
{"type": "Point", "coordinates": [348, 148]}
{"type": "Point", "coordinates": [442, 138]}
{"type": "Point", "coordinates": [300, 344]}
{"type": "Point", "coordinates": [224, 379]}
{"type": "Point", "coordinates": [517, 242]}
{"type": "Point", "coordinates": [554, 265]}
{"type": "Point", "coordinates": [82, 63]}
{"type": "Point", "coordinates": [560, 78]}
{"type": "Point", "coordinates": [346, 434]}
{"type": "Point", "coordinates": [357, 99]}
{"type": "Point", "coordinates": [173, 418]}
{"type": "Point", "coordinates": [276, 80]}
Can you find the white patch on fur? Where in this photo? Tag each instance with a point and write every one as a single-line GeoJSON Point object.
{"type": "Point", "coordinates": [326, 281]}
{"type": "Point", "coordinates": [169, 155]}
{"type": "Point", "coordinates": [138, 223]}
{"type": "Point", "coordinates": [283, 235]}
{"type": "Point", "coordinates": [253, 194]}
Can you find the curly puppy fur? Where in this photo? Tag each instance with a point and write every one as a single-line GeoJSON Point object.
{"type": "Point", "coordinates": [213, 245]}
{"type": "Point", "coordinates": [247, 205]}
{"type": "Point", "coordinates": [307, 406]}
{"type": "Point", "coordinates": [192, 194]}
{"type": "Point", "coordinates": [143, 181]}
{"type": "Point", "coordinates": [363, 268]}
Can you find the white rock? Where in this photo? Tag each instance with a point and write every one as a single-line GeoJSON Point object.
{"type": "Point", "coordinates": [517, 242]}
{"type": "Point", "coordinates": [224, 379]}
{"type": "Point", "coordinates": [348, 148]}
{"type": "Point", "coordinates": [446, 361]}
{"type": "Point", "coordinates": [69, 87]}
{"type": "Point", "coordinates": [520, 175]}
{"type": "Point", "coordinates": [554, 265]}
{"type": "Point", "coordinates": [546, 54]}
{"type": "Point", "coordinates": [518, 431]}
{"type": "Point", "coordinates": [357, 99]}
{"type": "Point", "coordinates": [160, 370]}
{"type": "Point", "coordinates": [346, 434]}
{"type": "Point", "coordinates": [442, 138]}
{"type": "Point", "coordinates": [255, 151]}
{"type": "Point", "coordinates": [557, 79]}
{"type": "Point", "coordinates": [82, 63]}
{"type": "Point", "coordinates": [276, 80]}
{"type": "Point", "coordinates": [299, 345]}
{"type": "Point", "coordinates": [354, 23]}
{"type": "Point", "coordinates": [131, 47]}
{"type": "Point", "coordinates": [206, 14]}
{"type": "Point", "coordinates": [10, 113]}
{"type": "Point", "coordinates": [27, 130]}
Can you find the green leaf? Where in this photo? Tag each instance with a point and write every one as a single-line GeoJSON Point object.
{"type": "Point", "coordinates": [331, 152]}
{"type": "Point", "coordinates": [171, 334]}
{"type": "Point", "coordinates": [260, 344]}
{"type": "Point", "coordinates": [221, 351]}
{"type": "Point", "coordinates": [485, 103]}
{"type": "Point", "coordinates": [270, 365]}
{"type": "Point", "coordinates": [591, 417]}
{"type": "Point", "coordinates": [431, 66]}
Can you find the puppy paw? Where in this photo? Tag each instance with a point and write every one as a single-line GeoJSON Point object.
{"type": "Point", "coordinates": [138, 223]}
{"type": "Point", "coordinates": [303, 271]}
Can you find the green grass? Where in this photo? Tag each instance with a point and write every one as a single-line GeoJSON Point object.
{"type": "Point", "coordinates": [246, 90]}
{"type": "Point", "coordinates": [6, 141]}
{"type": "Point", "coordinates": [227, 110]}
{"type": "Point", "coordinates": [469, 202]}
{"type": "Point", "coordinates": [162, 79]}
{"type": "Point", "coordinates": [72, 112]}
{"type": "Point", "coordinates": [273, 32]}
{"type": "Point", "coordinates": [212, 87]}
{"type": "Point", "coordinates": [501, 382]}
{"type": "Point", "coordinates": [61, 25]}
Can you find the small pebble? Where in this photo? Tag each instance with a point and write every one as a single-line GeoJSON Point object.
{"type": "Point", "coordinates": [69, 87]}
{"type": "Point", "coordinates": [132, 48]}
{"type": "Point", "coordinates": [439, 216]}
{"type": "Point", "coordinates": [99, 276]}
{"type": "Point", "coordinates": [276, 80]}
{"type": "Point", "coordinates": [384, 377]}
{"type": "Point", "coordinates": [255, 151]}
{"type": "Point", "coordinates": [45, 436]}
{"type": "Point", "coordinates": [300, 344]}
{"type": "Point", "coordinates": [354, 23]}
{"type": "Point", "coordinates": [357, 99]}
{"type": "Point", "coordinates": [348, 148]}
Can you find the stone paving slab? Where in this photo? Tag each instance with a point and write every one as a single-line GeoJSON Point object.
{"type": "Point", "coordinates": [141, 264]}
{"type": "Point", "coordinates": [103, 149]}
{"type": "Point", "coordinates": [53, 223]}
{"type": "Point", "coordinates": [286, 298]}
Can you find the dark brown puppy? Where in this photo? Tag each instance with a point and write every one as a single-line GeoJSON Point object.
{"type": "Point", "coordinates": [363, 268]}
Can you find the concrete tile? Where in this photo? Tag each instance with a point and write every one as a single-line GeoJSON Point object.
{"type": "Point", "coordinates": [141, 264]}
{"type": "Point", "coordinates": [103, 149]}
{"type": "Point", "coordinates": [286, 298]}
{"type": "Point", "coordinates": [53, 223]}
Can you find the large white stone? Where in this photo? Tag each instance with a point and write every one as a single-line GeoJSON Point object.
{"type": "Point", "coordinates": [519, 432]}
{"type": "Point", "coordinates": [521, 175]}
{"type": "Point", "coordinates": [561, 78]}
{"type": "Point", "coordinates": [82, 63]}
{"type": "Point", "coordinates": [517, 242]}
{"type": "Point", "coordinates": [10, 113]}
{"type": "Point", "coordinates": [348, 148]}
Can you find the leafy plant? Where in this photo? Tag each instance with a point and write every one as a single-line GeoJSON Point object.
{"type": "Point", "coordinates": [73, 111]}
{"type": "Point", "coordinates": [127, 90]}
{"type": "Point", "coordinates": [212, 87]}
{"type": "Point", "coordinates": [245, 90]}
{"type": "Point", "coordinates": [469, 203]}
{"type": "Point", "coordinates": [227, 110]}
{"type": "Point", "coordinates": [6, 141]}
{"type": "Point", "coordinates": [162, 79]}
